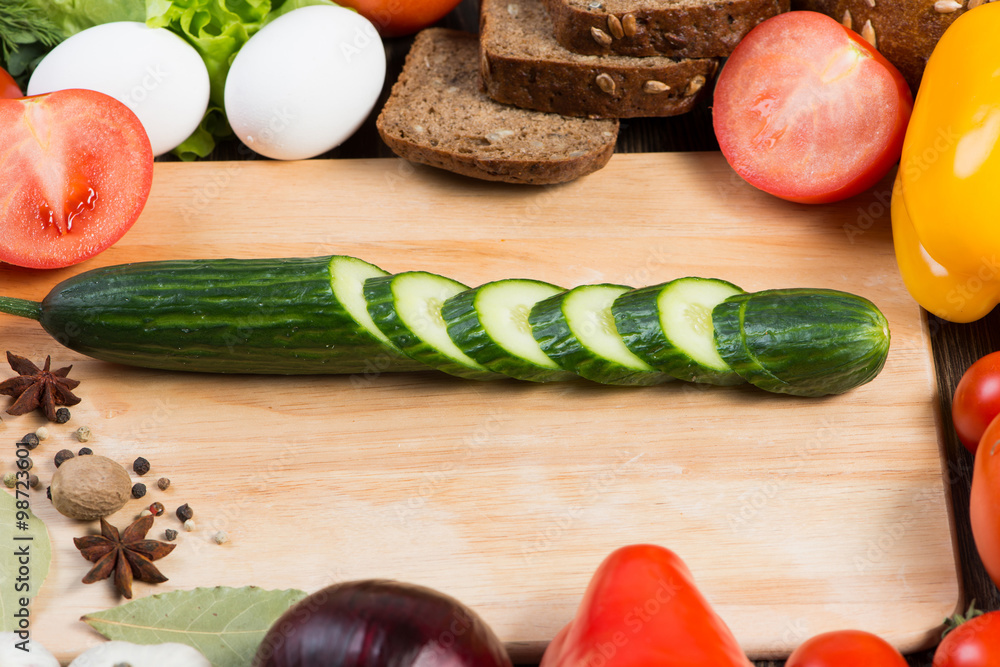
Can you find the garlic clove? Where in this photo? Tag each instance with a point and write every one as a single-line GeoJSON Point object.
{"type": "Point", "coordinates": [12, 655]}
{"type": "Point", "coordinates": [111, 654]}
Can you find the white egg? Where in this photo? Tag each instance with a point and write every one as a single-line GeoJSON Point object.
{"type": "Point", "coordinates": [158, 75]}
{"type": "Point", "coordinates": [305, 82]}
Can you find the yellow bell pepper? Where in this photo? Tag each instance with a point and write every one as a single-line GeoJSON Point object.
{"type": "Point", "coordinates": [946, 197]}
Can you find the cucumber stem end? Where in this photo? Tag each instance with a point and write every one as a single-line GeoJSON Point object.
{"type": "Point", "coordinates": [21, 307]}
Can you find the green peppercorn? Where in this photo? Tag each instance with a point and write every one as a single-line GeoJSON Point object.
{"type": "Point", "coordinates": [10, 479]}
{"type": "Point", "coordinates": [184, 512]}
{"type": "Point", "coordinates": [83, 434]}
{"type": "Point", "coordinates": [138, 490]}
{"type": "Point", "coordinates": [140, 466]}
{"type": "Point", "coordinates": [62, 456]}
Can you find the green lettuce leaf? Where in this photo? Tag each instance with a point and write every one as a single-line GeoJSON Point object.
{"type": "Point", "coordinates": [72, 16]}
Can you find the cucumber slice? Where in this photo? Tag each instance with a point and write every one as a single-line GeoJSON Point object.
{"type": "Point", "coordinates": [406, 307]}
{"type": "Point", "coordinates": [347, 279]}
{"type": "Point", "coordinates": [577, 330]}
{"type": "Point", "coordinates": [805, 342]}
{"type": "Point", "coordinates": [490, 324]}
{"type": "Point", "coordinates": [669, 326]}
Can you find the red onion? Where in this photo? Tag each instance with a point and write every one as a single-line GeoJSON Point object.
{"type": "Point", "coordinates": [377, 623]}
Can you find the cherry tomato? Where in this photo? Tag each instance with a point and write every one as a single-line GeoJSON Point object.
{"type": "Point", "coordinates": [75, 173]}
{"type": "Point", "coordinates": [856, 648]}
{"type": "Point", "coordinates": [395, 18]}
{"type": "Point", "coordinates": [974, 643]}
{"type": "Point", "coordinates": [807, 110]}
{"type": "Point", "coordinates": [977, 400]}
{"type": "Point", "coordinates": [8, 87]}
{"type": "Point", "coordinates": [984, 501]}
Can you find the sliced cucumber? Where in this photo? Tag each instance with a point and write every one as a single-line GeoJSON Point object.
{"type": "Point", "coordinates": [577, 330]}
{"type": "Point", "coordinates": [806, 342]}
{"type": "Point", "coordinates": [669, 326]}
{"type": "Point", "coordinates": [347, 279]}
{"type": "Point", "coordinates": [406, 307]}
{"type": "Point", "coordinates": [490, 324]}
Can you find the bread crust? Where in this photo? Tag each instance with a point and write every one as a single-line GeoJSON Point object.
{"type": "Point", "coordinates": [522, 64]}
{"type": "Point", "coordinates": [905, 31]}
{"type": "Point", "coordinates": [681, 29]}
{"type": "Point", "coordinates": [440, 72]}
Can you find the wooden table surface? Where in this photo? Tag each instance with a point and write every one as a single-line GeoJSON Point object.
{"type": "Point", "coordinates": [955, 346]}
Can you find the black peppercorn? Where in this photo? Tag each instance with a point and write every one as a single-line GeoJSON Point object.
{"type": "Point", "coordinates": [163, 483]}
{"type": "Point", "coordinates": [30, 441]}
{"type": "Point", "coordinates": [170, 534]}
{"type": "Point", "coordinates": [84, 451]}
{"type": "Point", "coordinates": [62, 415]}
{"type": "Point", "coordinates": [184, 512]}
{"type": "Point", "coordinates": [62, 456]}
{"type": "Point", "coordinates": [140, 466]}
{"type": "Point", "coordinates": [48, 492]}
{"type": "Point", "coordinates": [138, 490]}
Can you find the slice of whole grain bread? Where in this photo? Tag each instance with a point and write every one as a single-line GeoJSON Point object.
{"type": "Point", "coordinates": [522, 64]}
{"type": "Point", "coordinates": [677, 28]}
{"type": "Point", "coordinates": [437, 115]}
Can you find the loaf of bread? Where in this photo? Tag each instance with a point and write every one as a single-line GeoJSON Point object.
{"type": "Point", "coordinates": [904, 31]}
{"type": "Point", "coordinates": [521, 63]}
{"type": "Point", "coordinates": [676, 28]}
{"type": "Point", "coordinates": [437, 115]}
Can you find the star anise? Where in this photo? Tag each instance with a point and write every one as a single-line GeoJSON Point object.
{"type": "Point", "coordinates": [129, 555]}
{"type": "Point", "coordinates": [35, 387]}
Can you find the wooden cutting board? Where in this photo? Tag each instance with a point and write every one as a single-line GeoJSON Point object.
{"type": "Point", "coordinates": [795, 515]}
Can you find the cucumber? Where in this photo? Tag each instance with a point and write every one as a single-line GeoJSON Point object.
{"type": "Point", "coordinates": [805, 342]}
{"type": "Point", "coordinates": [267, 316]}
{"type": "Point", "coordinates": [670, 327]}
{"type": "Point", "coordinates": [490, 324]}
{"type": "Point", "coordinates": [577, 330]}
{"type": "Point", "coordinates": [406, 307]}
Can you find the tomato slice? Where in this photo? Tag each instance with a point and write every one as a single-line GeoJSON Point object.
{"type": "Point", "coordinates": [8, 87]}
{"type": "Point", "coordinates": [75, 171]}
{"type": "Point", "coordinates": [807, 110]}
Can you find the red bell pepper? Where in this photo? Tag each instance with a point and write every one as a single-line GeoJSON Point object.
{"type": "Point", "coordinates": [641, 609]}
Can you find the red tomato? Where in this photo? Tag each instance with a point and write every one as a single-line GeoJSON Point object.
{"type": "Point", "coordinates": [975, 643]}
{"type": "Point", "coordinates": [856, 648]}
{"type": "Point", "coordinates": [977, 400]}
{"type": "Point", "coordinates": [395, 18]}
{"type": "Point", "coordinates": [984, 501]}
{"type": "Point", "coordinates": [8, 87]}
{"type": "Point", "coordinates": [807, 110]}
{"type": "Point", "coordinates": [75, 174]}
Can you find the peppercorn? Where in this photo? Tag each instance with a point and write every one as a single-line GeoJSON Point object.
{"type": "Point", "coordinates": [62, 415]}
{"type": "Point", "coordinates": [48, 492]}
{"type": "Point", "coordinates": [184, 512]}
{"type": "Point", "coordinates": [62, 456]}
{"type": "Point", "coordinates": [140, 466]}
{"type": "Point", "coordinates": [145, 513]}
{"type": "Point", "coordinates": [25, 463]}
{"type": "Point", "coordinates": [221, 537]}
{"type": "Point", "coordinates": [163, 483]}
{"type": "Point", "coordinates": [138, 490]}
{"type": "Point", "coordinates": [82, 434]}
{"type": "Point", "coordinates": [10, 479]}
{"type": "Point", "coordinates": [85, 451]}
{"type": "Point", "coordinates": [30, 441]}
{"type": "Point", "coordinates": [189, 525]}
{"type": "Point", "coordinates": [41, 433]}
{"type": "Point", "coordinates": [170, 534]}
{"type": "Point", "coordinates": [156, 509]}
{"type": "Point", "coordinates": [33, 481]}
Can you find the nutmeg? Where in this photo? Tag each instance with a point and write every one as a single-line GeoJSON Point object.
{"type": "Point", "coordinates": [90, 487]}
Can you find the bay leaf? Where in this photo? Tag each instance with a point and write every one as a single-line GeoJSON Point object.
{"type": "Point", "coordinates": [225, 624]}
{"type": "Point", "coordinates": [25, 553]}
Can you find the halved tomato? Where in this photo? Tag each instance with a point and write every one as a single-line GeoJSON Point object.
{"type": "Point", "coordinates": [75, 171]}
{"type": "Point", "coordinates": [807, 110]}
